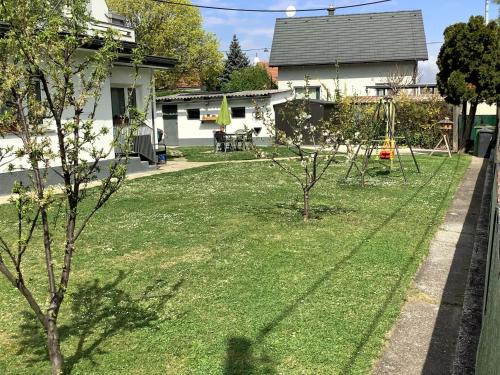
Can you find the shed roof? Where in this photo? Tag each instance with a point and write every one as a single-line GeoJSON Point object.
{"type": "Point", "coordinates": [351, 38]}
{"type": "Point", "coordinates": [214, 95]}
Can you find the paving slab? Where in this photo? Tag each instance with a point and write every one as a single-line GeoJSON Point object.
{"type": "Point", "coordinates": [424, 338]}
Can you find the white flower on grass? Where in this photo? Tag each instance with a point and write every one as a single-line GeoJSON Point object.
{"type": "Point", "coordinates": [303, 163]}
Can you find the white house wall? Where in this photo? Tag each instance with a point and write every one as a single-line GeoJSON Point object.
{"type": "Point", "coordinates": [120, 77]}
{"type": "Point", "coordinates": [198, 133]}
{"type": "Point", "coordinates": [352, 78]}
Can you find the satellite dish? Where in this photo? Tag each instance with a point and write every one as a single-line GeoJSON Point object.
{"type": "Point", "coordinates": [291, 11]}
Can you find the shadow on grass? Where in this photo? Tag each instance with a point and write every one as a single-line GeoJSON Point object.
{"type": "Point", "coordinates": [240, 359]}
{"type": "Point", "coordinates": [288, 310]}
{"type": "Point", "coordinates": [285, 211]}
{"type": "Point", "coordinates": [98, 312]}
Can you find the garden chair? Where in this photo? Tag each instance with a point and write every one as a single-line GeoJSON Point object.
{"type": "Point", "coordinates": [248, 143]}
{"type": "Point", "coordinates": [239, 141]}
{"type": "Point", "coordinates": [221, 142]}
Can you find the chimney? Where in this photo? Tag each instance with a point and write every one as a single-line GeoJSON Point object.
{"type": "Point", "coordinates": [331, 10]}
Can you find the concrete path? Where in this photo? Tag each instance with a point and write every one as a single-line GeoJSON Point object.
{"type": "Point", "coordinates": [171, 166]}
{"type": "Point", "coordinates": [424, 338]}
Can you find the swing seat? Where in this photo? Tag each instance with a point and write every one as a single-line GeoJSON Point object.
{"type": "Point", "coordinates": [385, 155]}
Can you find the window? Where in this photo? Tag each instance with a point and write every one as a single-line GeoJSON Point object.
{"type": "Point", "coordinates": [238, 112]}
{"type": "Point", "coordinates": [169, 111]}
{"type": "Point", "coordinates": [314, 92]}
{"type": "Point", "coordinates": [120, 98]}
{"type": "Point", "coordinates": [193, 114]}
{"type": "Point", "coordinates": [132, 97]}
{"type": "Point", "coordinates": [118, 102]}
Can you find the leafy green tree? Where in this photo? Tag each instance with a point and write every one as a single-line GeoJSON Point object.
{"type": "Point", "coordinates": [469, 68]}
{"type": "Point", "coordinates": [236, 59]}
{"type": "Point", "coordinates": [249, 78]}
{"type": "Point", "coordinates": [176, 31]}
{"type": "Point", "coordinates": [49, 91]}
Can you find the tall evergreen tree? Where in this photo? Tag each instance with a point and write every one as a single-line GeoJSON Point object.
{"type": "Point", "coordinates": [236, 59]}
{"type": "Point", "coordinates": [469, 67]}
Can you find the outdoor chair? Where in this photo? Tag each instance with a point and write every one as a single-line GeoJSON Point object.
{"type": "Point", "coordinates": [248, 143]}
{"type": "Point", "coordinates": [221, 142]}
{"type": "Point", "coordinates": [240, 137]}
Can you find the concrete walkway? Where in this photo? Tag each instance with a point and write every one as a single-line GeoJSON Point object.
{"type": "Point", "coordinates": [424, 338]}
{"type": "Point", "coordinates": [171, 166]}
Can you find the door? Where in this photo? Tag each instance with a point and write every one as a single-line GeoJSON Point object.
{"type": "Point", "coordinates": [170, 124]}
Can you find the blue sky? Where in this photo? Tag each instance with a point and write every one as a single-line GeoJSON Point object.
{"type": "Point", "coordinates": [255, 30]}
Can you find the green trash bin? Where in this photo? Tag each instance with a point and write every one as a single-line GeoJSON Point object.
{"type": "Point", "coordinates": [484, 140]}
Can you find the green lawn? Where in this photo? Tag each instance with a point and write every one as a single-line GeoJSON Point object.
{"type": "Point", "coordinates": [212, 271]}
{"type": "Point", "coordinates": [206, 153]}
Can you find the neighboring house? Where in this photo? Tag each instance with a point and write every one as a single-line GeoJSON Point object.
{"type": "Point", "coordinates": [272, 71]}
{"type": "Point", "coordinates": [189, 119]}
{"type": "Point", "coordinates": [353, 53]}
{"type": "Point", "coordinates": [111, 109]}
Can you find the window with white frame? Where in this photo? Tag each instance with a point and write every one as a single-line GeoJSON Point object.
{"type": "Point", "coordinates": [314, 92]}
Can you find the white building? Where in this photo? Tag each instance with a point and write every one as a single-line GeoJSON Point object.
{"type": "Point", "coordinates": [189, 119]}
{"type": "Point", "coordinates": [111, 108]}
{"type": "Point", "coordinates": [351, 53]}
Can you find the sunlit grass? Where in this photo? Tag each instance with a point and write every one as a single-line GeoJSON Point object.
{"type": "Point", "coordinates": [212, 271]}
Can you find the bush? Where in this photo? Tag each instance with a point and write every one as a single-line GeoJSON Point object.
{"type": "Point", "coordinates": [418, 120]}
{"type": "Point", "coordinates": [249, 78]}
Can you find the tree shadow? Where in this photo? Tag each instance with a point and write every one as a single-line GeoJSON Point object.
{"type": "Point", "coordinates": [98, 312]}
{"type": "Point", "coordinates": [284, 211]}
{"type": "Point", "coordinates": [241, 359]}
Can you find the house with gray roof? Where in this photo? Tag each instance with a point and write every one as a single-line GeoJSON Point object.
{"type": "Point", "coordinates": [354, 53]}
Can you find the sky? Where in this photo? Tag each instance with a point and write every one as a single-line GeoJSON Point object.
{"type": "Point", "coordinates": [255, 30]}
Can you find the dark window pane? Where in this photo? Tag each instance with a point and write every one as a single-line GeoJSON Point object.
{"type": "Point", "coordinates": [117, 102]}
{"type": "Point", "coordinates": [193, 114]}
{"type": "Point", "coordinates": [169, 111]}
{"type": "Point", "coordinates": [238, 112]}
{"type": "Point", "coordinates": [132, 97]}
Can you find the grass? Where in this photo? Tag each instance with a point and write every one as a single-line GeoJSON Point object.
{"type": "Point", "coordinates": [206, 153]}
{"type": "Point", "coordinates": [212, 271]}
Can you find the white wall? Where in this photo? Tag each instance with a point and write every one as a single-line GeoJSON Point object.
{"type": "Point", "coordinates": [204, 131]}
{"type": "Point", "coordinates": [353, 78]}
{"type": "Point", "coordinates": [120, 77]}
{"type": "Point", "coordinates": [98, 9]}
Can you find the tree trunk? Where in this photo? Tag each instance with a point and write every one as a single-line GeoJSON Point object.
{"type": "Point", "coordinates": [55, 355]}
{"type": "Point", "coordinates": [466, 143]}
{"type": "Point", "coordinates": [461, 145]}
{"type": "Point", "coordinates": [306, 205]}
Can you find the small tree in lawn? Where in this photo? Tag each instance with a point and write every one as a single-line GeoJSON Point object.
{"type": "Point", "coordinates": [315, 145]}
{"type": "Point", "coordinates": [469, 68]}
{"type": "Point", "coordinates": [236, 59]}
{"type": "Point", "coordinates": [42, 48]}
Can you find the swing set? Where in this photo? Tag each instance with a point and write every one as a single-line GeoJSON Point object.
{"type": "Point", "coordinates": [385, 147]}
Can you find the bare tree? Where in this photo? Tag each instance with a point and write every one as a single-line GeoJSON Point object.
{"type": "Point", "coordinates": [51, 85]}
{"type": "Point", "coordinates": [315, 145]}
{"type": "Point", "coordinates": [398, 79]}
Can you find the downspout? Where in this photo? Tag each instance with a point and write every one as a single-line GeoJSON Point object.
{"type": "Point", "coordinates": [153, 110]}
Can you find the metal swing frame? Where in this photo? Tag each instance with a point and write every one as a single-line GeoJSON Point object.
{"type": "Point", "coordinates": [374, 144]}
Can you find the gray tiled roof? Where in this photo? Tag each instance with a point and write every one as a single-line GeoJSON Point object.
{"type": "Point", "coordinates": [353, 38]}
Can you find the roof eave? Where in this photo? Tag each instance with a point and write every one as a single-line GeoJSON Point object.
{"type": "Point", "coordinates": [276, 65]}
